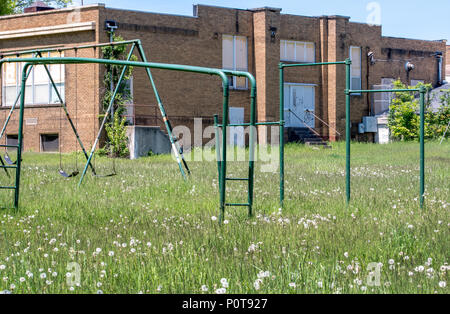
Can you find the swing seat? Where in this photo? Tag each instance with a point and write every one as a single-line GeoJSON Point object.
{"type": "Point", "coordinates": [66, 175]}
{"type": "Point", "coordinates": [9, 161]}
{"type": "Point", "coordinates": [105, 176]}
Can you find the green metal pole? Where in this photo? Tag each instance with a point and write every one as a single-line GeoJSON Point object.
{"type": "Point", "coordinates": [422, 146]}
{"type": "Point", "coordinates": [20, 139]}
{"type": "Point", "coordinates": [179, 157]}
{"type": "Point", "coordinates": [348, 134]}
{"type": "Point", "coordinates": [66, 111]}
{"type": "Point", "coordinates": [223, 168]}
{"type": "Point", "coordinates": [251, 171]}
{"type": "Point", "coordinates": [218, 155]}
{"type": "Point", "coordinates": [107, 114]}
{"type": "Point", "coordinates": [281, 135]}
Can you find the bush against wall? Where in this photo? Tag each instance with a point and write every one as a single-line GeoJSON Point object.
{"type": "Point", "coordinates": [404, 118]}
{"type": "Point", "coordinates": [117, 142]}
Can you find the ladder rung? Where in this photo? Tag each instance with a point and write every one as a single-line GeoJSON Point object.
{"type": "Point", "coordinates": [8, 167]}
{"type": "Point", "coordinates": [237, 205]}
{"type": "Point", "coordinates": [7, 187]}
{"type": "Point", "coordinates": [237, 179]}
{"type": "Point", "coordinates": [9, 146]}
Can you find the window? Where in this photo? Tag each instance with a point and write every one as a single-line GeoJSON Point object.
{"type": "Point", "coordinates": [49, 143]}
{"type": "Point", "coordinates": [355, 56]}
{"type": "Point", "coordinates": [235, 57]}
{"type": "Point", "coordinates": [297, 51]}
{"type": "Point", "coordinates": [12, 139]}
{"type": "Point", "coordinates": [39, 90]}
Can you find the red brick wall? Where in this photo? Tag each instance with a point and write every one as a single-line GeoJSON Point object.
{"type": "Point", "coordinates": [197, 41]}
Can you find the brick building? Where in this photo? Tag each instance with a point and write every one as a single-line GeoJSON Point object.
{"type": "Point", "coordinates": [252, 40]}
{"type": "Point", "coordinates": [447, 67]}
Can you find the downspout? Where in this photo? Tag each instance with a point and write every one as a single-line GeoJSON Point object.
{"type": "Point", "coordinates": [440, 58]}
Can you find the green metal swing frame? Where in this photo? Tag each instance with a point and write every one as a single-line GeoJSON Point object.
{"type": "Point", "coordinates": [29, 62]}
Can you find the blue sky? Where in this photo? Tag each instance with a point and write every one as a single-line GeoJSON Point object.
{"type": "Point", "coordinates": [401, 18]}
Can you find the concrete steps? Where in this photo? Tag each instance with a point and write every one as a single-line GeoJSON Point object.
{"type": "Point", "coordinates": [306, 136]}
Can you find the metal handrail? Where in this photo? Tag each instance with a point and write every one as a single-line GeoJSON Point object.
{"type": "Point", "coordinates": [311, 112]}
{"type": "Point", "coordinates": [302, 121]}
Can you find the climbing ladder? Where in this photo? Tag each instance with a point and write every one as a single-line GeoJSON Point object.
{"type": "Point", "coordinates": [221, 147]}
{"type": "Point", "coordinates": [17, 168]}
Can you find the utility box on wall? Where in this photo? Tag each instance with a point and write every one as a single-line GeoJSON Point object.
{"type": "Point", "coordinates": [369, 125]}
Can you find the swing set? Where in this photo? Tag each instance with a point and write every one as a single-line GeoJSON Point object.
{"type": "Point", "coordinates": [29, 63]}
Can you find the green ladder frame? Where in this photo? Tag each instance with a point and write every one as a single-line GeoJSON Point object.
{"type": "Point", "coordinates": [348, 93]}
{"type": "Point", "coordinates": [221, 150]}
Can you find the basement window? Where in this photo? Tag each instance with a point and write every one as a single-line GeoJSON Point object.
{"type": "Point", "coordinates": [235, 58]}
{"type": "Point", "coordinates": [49, 143]}
{"type": "Point", "coordinates": [355, 56]}
{"type": "Point", "coordinates": [12, 139]}
{"type": "Point", "coordinates": [297, 51]}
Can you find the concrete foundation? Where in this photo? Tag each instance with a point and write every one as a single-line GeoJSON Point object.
{"type": "Point", "coordinates": [143, 139]}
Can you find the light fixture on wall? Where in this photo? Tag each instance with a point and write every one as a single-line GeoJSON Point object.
{"type": "Point", "coordinates": [409, 66]}
{"type": "Point", "coordinates": [371, 56]}
{"type": "Point", "coordinates": [273, 33]}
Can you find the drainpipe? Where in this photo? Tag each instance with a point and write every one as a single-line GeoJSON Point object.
{"type": "Point", "coordinates": [440, 58]}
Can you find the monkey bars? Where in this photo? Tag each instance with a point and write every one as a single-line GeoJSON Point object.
{"type": "Point", "coordinates": [348, 92]}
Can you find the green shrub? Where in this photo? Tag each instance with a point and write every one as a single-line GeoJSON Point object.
{"type": "Point", "coordinates": [404, 120]}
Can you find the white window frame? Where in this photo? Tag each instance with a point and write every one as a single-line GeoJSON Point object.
{"type": "Point", "coordinates": [296, 59]}
{"type": "Point", "coordinates": [233, 79]}
{"type": "Point", "coordinates": [31, 83]}
{"type": "Point", "coordinates": [360, 70]}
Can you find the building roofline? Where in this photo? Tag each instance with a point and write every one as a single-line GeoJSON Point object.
{"type": "Point", "coordinates": [149, 12]}
{"type": "Point", "coordinates": [85, 7]}
{"type": "Point", "coordinates": [405, 38]}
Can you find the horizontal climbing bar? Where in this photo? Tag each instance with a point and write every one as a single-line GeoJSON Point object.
{"type": "Point", "coordinates": [236, 205]}
{"type": "Point", "coordinates": [237, 179]}
{"type": "Point", "coordinates": [249, 124]}
{"type": "Point", "coordinates": [383, 91]}
{"type": "Point", "coordinates": [7, 187]}
{"type": "Point", "coordinates": [9, 146]}
{"type": "Point", "coordinates": [8, 167]}
{"type": "Point", "coordinates": [283, 65]}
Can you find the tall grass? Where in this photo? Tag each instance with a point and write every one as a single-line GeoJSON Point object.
{"type": "Point", "coordinates": [146, 230]}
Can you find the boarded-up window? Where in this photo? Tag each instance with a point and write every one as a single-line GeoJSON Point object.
{"type": "Point", "coordinates": [49, 143]}
{"type": "Point", "coordinates": [297, 51]}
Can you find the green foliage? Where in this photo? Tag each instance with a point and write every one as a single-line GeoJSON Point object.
{"type": "Point", "coordinates": [156, 232]}
{"type": "Point", "coordinates": [116, 132]}
{"type": "Point", "coordinates": [7, 7]}
{"type": "Point", "coordinates": [19, 5]}
{"type": "Point", "coordinates": [404, 120]}
{"type": "Point", "coordinates": [117, 140]}
{"type": "Point", "coordinates": [112, 75]}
